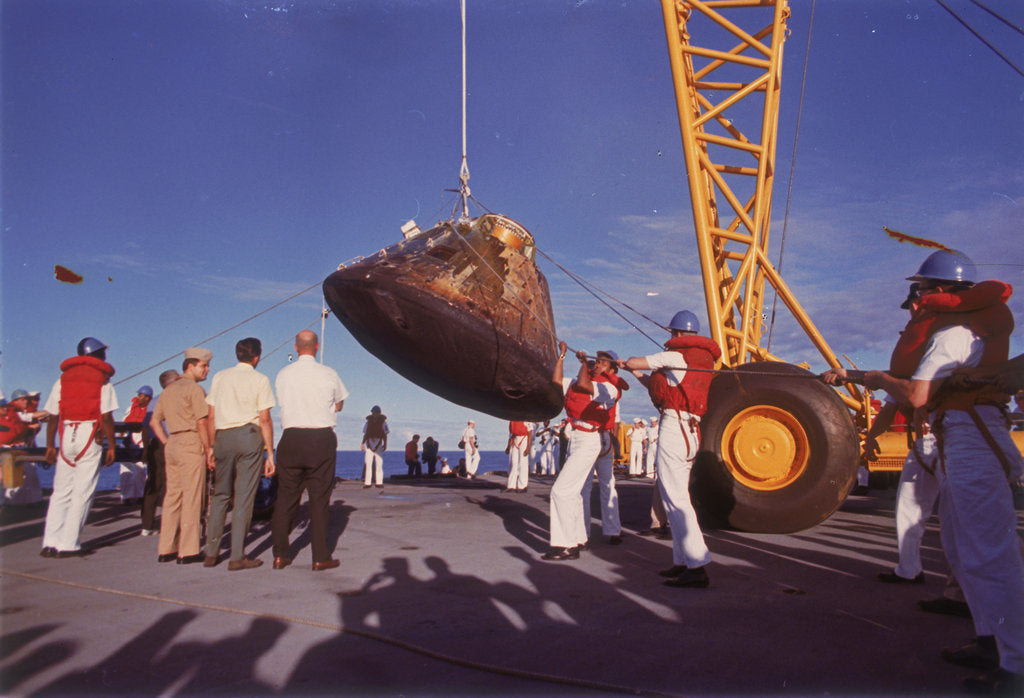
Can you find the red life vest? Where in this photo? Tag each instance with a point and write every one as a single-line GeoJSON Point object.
{"type": "Point", "coordinates": [692, 394]}
{"type": "Point", "coordinates": [518, 429]}
{"type": "Point", "coordinates": [11, 428]}
{"type": "Point", "coordinates": [584, 412]}
{"type": "Point", "coordinates": [137, 413]}
{"type": "Point", "coordinates": [81, 383]}
{"type": "Point", "coordinates": [375, 426]}
{"type": "Point", "coordinates": [982, 308]}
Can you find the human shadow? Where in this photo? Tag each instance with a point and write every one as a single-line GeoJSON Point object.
{"type": "Point", "coordinates": [156, 661]}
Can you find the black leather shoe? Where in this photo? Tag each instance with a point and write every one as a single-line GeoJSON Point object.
{"type": "Point", "coordinates": [696, 578]}
{"type": "Point", "coordinates": [191, 559]}
{"type": "Point", "coordinates": [167, 557]}
{"type": "Point", "coordinates": [893, 578]}
{"type": "Point", "coordinates": [615, 540]}
{"type": "Point", "coordinates": [561, 554]}
{"type": "Point", "coordinates": [673, 571]}
{"type": "Point", "coordinates": [947, 607]}
{"type": "Point", "coordinates": [980, 653]}
{"type": "Point", "coordinates": [999, 682]}
{"type": "Point", "coordinates": [48, 552]}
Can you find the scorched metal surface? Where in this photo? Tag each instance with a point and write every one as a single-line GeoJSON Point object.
{"type": "Point", "coordinates": [461, 310]}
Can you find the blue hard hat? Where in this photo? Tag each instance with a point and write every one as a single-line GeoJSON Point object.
{"type": "Point", "coordinates": [18, 394]}
{"type": "Point", "coordinates": [608, 354]}
{"type": "Point", "coordinates": [90, 345]}
{"type": "Point", "coordinates": [145, 390]}
{"type": "Point", "coordinates": [946, 265]}
{"type": "Point", "coordinates": [685, 321]}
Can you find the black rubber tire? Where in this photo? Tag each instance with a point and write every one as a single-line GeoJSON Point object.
{"type": "Point", "coordinates": [830, 439]}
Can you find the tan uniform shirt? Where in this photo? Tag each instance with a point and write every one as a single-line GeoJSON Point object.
{"type": "Point", "coordinates": [181, 405]}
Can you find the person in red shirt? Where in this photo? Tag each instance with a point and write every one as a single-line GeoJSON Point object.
{"type": "Point", "coordinates": [412, 456]}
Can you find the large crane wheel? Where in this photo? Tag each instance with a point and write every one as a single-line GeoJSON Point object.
{"type": "Point", "coordinates": [777, 454]}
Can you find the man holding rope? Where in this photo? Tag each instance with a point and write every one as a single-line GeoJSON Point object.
{"type": "Point", "coordinates": [681, 396]}
{"type": "Point", "coordinates": [979, 522]}
{"type": "Point", "coordinates": [590, 401]}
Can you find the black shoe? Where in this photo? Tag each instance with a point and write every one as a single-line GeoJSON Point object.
{"type": "Point", "coordinates": [507, 490]}
{"type": "Point", "coordinates": [190, 559]}
{"type": "Point", "coordinates": [947, 607]}
{"type": "Point", "coordinates": [690, 579]}
{"type": "Point", "coordinates": [561, 554]}
{"type": "Point", "coordinates": [980, 653]}
{"type": "Point", "coordinates": [585, 545]}
{"type": "Point", "coordinates": [71, 553]}
{"type": "Point", "coordinates": [893, 578]}
{"type": "Point", "coordinates": [673, 571]}
{"type": "Point", "coordinates": [999, 682]}
{"type": "Point", "coordinates": [615, 540]}
{"type": "Point", "coordinates": [167, 557]}
{"type": "Point", "coordinates": [48, 552]}
{"type": "Point", "coordinates": [366, 487]}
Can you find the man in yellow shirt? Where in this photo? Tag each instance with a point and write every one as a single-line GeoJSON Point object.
{"type": "Point", "coordinates": [243, 439]}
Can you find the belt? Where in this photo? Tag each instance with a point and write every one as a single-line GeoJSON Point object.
{"type": "Point", "coordinates": [184, 431]}
{"type": "Point", "coordinates": [584, 426]}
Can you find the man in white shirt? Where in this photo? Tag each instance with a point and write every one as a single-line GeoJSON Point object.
{"type": "Point", "coordinates": [243, 440]}
{"type": "Point", "coordinates": [310, 395]}
{"type": "Point", "coordinates": [976, 509]}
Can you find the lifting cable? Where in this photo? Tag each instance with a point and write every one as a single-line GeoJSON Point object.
{"type": "Point", "coordinates": [980, 37]}
{"type": "Point", "coordinates": [222, 332]}
{"type": "Point", "coordinates": [464, 169]}
{"type": "Point", "coordinates": [792, 171]}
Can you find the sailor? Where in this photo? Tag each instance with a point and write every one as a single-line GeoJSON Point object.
{"type": "Point", "coordinates": [80, 405]}
{"type": "Point", "coordinates": [637, 435]}
{"type": "Point", "coordinates": [590, 401]}
{"type": "Point", "coordinates": [471, 449]}
{"type": "Point", "coordinates": [681, 396]}
{"type": "Point", "coordinates": [374, 443]}
{"type": "Point", "coordinates": [19, 424]}
{"type": "Point", "coordinates": [187, 455]}
{"type": "Point", "coordinates": [604, 467]}
{"type": "Point", "coordinates": [520, 439]}
{"type": "Point", "coordinates": [133, 475]}
{"type": "Point", "coordinates": [977, 456]}
{"type": "Point", "coordinates": [652, 447]}
{"type": "Point", "coordinates": [156, 475]}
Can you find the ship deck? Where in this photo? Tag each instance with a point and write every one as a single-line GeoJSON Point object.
{"type": "Point", "coordinates": [441, 591]}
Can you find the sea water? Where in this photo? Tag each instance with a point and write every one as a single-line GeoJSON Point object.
{"type": "Point", "coordinates": [347, 465]}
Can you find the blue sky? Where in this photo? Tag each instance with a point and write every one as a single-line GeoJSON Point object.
{"type": "Point", "coordinates": [199, 161]}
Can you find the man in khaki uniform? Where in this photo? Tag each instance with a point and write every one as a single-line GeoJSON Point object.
{"type": "Point", "coordinates": [187, 448]}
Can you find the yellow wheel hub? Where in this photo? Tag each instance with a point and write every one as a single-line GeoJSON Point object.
{"type": "Point", "coordinates": [765, 448]}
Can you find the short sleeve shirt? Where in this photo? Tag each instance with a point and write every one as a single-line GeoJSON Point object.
{"type": "Point", "coordinates": [108, 399]}
{"type": "Point", "coordinates": [949, 349]}
{"type": "Point", "coordinates": [671, 360]}
{"type": "Point", "coordinates": [181, 405]}
{"type": "Point", "coordinates": [238, 395]}
{"type": "Point", "coordinates": [308, 392]}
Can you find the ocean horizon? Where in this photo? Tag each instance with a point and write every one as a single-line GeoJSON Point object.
{"type": "Point", "coordinates": [348, 465]}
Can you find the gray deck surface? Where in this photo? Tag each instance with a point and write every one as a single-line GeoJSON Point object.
{"type": "Point", "coordinates": [441, 591]}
